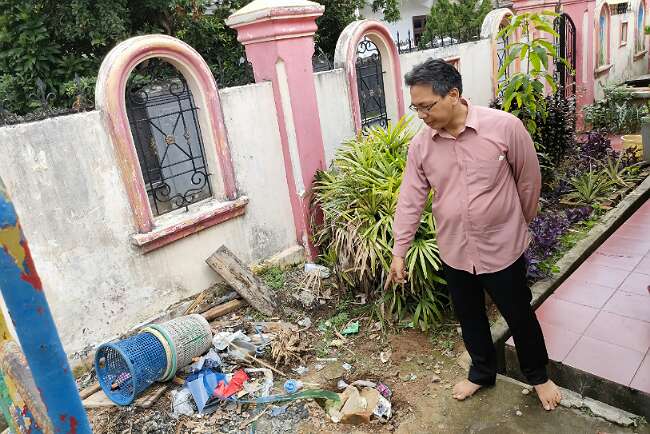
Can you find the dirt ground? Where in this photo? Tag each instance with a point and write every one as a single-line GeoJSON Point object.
{"type": "Point", "coordinates": [419, 404]}
{"type": "Point", "coordinates": [420, 369]}
{"type": "Point", "coordinates": [422, 406]}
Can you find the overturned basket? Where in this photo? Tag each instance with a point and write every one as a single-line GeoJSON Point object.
{"type": "Point", "coordinates": [126, 368]}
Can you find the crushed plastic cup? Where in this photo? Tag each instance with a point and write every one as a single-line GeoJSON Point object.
{"type": "Point", "coordinates": [318, 270]}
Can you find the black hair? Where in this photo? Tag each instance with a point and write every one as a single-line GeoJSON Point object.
{"type": "Point", "coordinates": [440, 75]}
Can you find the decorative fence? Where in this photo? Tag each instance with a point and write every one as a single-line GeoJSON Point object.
{"type": "Point", "coordinates": [412, 43]}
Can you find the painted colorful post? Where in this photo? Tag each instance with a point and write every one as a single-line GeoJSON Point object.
{"type": "Point", "coordinates": [279, 40]}
{"type": "Point", "coordinates": [23, 294]}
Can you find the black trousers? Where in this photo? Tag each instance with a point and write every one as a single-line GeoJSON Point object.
{"type": "Point", "coordinates": [512, 296]}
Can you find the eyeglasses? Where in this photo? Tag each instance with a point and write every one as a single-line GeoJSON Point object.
{"type": "Point", "coordinates": [424, 109]}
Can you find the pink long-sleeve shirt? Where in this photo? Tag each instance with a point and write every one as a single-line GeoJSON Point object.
{"type": "Point", "coordinates": [486, 185]}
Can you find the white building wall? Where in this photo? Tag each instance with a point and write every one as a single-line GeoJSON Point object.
{"type": "Point", "coordinates": [64, 181]}
{"type": "Point", "coordinates": [475, 65]}
{"type": "Point", "coordinates": [622, 57]}
{"type": "Point", "coordinates": [333, 95]}
{"type": "Point", "coordinates": [408, 10]}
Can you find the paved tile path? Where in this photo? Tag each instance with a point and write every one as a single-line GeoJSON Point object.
{"type": "Point", "coordinates": [598, 320]}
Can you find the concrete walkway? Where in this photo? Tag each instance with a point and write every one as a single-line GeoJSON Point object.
{"type": "Point", "coordinates": [598, 320]}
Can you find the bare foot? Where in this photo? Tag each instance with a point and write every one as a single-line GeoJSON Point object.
{"type": "Point", "coordinates": [464, 389]}
{"type": "Point", "coordinates": [549, 395]}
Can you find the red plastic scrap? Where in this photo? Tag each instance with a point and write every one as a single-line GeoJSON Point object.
{"type": "Point", "coordinates": [235, 385]}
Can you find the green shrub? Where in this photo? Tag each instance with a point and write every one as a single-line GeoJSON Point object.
{"type": "Point", "coordinates": [615, 113]}
{"type": "Point", "coordinates": [56, 41]}
{"type": "Point", "coordinates": [358, 197]}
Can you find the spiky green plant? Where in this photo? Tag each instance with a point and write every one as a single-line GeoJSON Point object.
{"type": "Point", "coordinates": [590, 187]}
{"type": "Point", "coordinates": [358, 197]}
{"type": "Point", "coordinates": [620, 171]}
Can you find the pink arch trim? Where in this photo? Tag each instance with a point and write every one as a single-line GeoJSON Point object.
{"type": "Point", "coordinates": [109, 100]}
{"type": "Point", "coordinates": [346, 56]}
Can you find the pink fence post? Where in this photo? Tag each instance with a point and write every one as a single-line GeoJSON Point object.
{"type": "Point", "coordinates": [279, 41]}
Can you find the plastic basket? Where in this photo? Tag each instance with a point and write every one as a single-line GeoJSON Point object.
{"type": "Point", "coordinates": [127, 367]}
{"type": "Point", "coordinates": [170, 353]}
{"type": "Point", "coordinates": [190, 336]}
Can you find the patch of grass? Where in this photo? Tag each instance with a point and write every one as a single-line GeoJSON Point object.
{"type": "Point", "coordinates": [444, 337]}
{"type": "Point", "coordinates": [336, 322]}
{"type": "Point", "coordinates": [273, 277]}
{"type": "Point", "coordinates": [322, 348]}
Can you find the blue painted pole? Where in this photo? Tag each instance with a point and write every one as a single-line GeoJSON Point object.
{"type": "Point", "coordinates": [23, 294]}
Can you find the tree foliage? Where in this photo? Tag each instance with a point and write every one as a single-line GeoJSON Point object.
{"type": "Point", "coordinates": [60, 44]}
{"type": "Point", "coordinates": [460, 17]}
{"type": "Point", "coordinates": [523, 91]}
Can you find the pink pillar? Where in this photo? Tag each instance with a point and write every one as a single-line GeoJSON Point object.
{"type": "Point", "coordinates": [279, 41]}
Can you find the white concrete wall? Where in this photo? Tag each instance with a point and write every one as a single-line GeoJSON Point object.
{"type": "Point", "coordinates": [336, 118]}
{"type": "Point", "coordinates": [475, 66]}
{"type": "Point", "coordinates": [62, 176]}
{"type": "Point", "coordinates": [408, 10]}
{"type": "Point", "coordinates": [624, 65]}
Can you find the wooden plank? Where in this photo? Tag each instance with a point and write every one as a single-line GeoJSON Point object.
{"type": "Point", "coordinates": [100, 400]}
{"type": "Point", "coordinates": [85, 393]}
{"type": "Point", "coordinates": [223, 309]}
{"type": "Point", "coordinates": [242, 280]}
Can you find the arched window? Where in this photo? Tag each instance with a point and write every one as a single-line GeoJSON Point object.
{"type": "Point", "coordinates": [639, 39]}
{"type": "Point", "coordinates": [352, 55]}
{"type": "Point", "coordinates": [602, 39]}
{"type": "Point", "coordinates": [167, 137]}
{"type": "Point", "coordinates": [493, 23]}
{"type": "Point", "coordinates": [167, 128]}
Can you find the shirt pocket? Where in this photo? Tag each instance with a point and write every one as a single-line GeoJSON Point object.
{"type": "Point", "coordinates": [484, 174]}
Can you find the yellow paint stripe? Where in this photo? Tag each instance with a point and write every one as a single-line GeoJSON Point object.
{"type": "Point", "coordinates": [10, 240]}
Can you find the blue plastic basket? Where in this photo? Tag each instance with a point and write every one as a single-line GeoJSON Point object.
{"type": "Point", "coordinates": [126, 368]}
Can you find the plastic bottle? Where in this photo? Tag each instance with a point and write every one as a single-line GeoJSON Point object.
{"type": "Point", "coordinates": [292, 386]}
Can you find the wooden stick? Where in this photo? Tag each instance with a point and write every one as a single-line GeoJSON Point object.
{"type": "Point", "coordinates": [221, 300]}
{"type": "Point", "coordinates": [195, 303]}
{"type": "Point", "coordinates": [260, 362]}
{"type": "Point", "coordinates": [223, 309]}
{"type": "Point", "coordinates": [85, 393]}
{"type": "Point", "coordinates": [253, 419]}
{"type": "Point", "coordinates": [266, 365]}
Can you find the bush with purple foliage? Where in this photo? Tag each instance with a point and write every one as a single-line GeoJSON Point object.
{"type": "Point", "coordinates": [546, 230]}
{"type": "Point", "coordinates": [594, 146]}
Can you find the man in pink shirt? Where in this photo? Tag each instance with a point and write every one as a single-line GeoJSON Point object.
{"type": "Point", "coordinates": [482, 168]}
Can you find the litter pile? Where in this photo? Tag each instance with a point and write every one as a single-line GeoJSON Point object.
{"type": "Point", "coordinates": [236, 364]}
{"type": "Point", "coordinates": [220, 375]}
{"type": "Point", "coordinates": [224, 374]}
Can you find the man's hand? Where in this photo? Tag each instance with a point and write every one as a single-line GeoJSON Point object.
{"type": "Point", "coordinates": [397, 271]}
